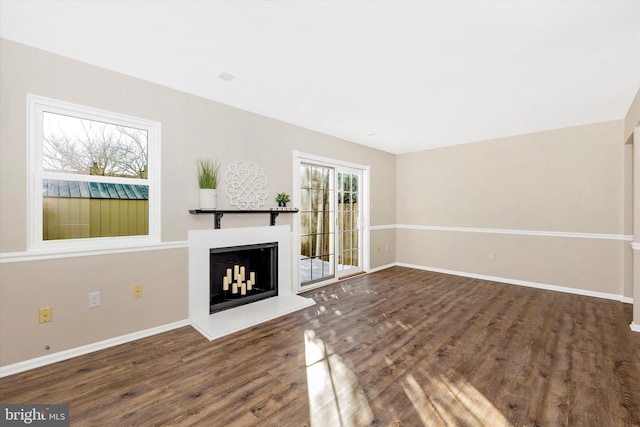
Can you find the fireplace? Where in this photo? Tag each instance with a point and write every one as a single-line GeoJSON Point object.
{"type": "Point", "coordinates": [206, 283]}
{"type": "Point", "coordinates": [242, 274]}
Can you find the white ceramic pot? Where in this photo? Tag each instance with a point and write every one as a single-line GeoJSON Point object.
{"type": "Point", "coordinates": [208, 199]}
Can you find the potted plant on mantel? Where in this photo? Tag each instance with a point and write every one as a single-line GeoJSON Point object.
{"type": "Point", "coordinates": [282, 199]}
{"type": "Point", "coordinates": [208, 175]}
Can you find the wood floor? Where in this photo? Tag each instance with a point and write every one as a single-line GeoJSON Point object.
{"type": "Point", "coordinates": [400, 347]}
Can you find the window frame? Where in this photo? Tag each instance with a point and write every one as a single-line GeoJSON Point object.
{"type": "Point", "coordinates": [36, 106]}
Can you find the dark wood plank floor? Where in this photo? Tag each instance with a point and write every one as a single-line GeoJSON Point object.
{"type": "Point", "coordinates": [400, 347]}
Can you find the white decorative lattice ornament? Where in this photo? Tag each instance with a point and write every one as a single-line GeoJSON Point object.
{"type": "Point", "coordinates": [246, 185]}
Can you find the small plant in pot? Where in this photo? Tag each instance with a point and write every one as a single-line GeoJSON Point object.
{"type": "Point", "coordinates": [208, 176]}
{"type": "Point", "coordinates": [282, 199]}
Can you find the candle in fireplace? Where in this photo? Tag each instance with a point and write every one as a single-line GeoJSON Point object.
{"type": "Point", "coordinates": [252, 276]}
{"type": "Point", "coordinates": [225, 283]}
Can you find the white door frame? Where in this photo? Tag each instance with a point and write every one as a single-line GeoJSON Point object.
{"type": "Point", "coordinates": [635, 324]}
{"type": "Point", "coordinates": [299, 158]}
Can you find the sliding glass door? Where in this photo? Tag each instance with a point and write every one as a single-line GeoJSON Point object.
{"type": "Point", "coordinates": [330, 222]}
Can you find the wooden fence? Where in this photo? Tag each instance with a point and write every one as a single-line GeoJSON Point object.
{"type": "Point", "coordinates": [316, 243]}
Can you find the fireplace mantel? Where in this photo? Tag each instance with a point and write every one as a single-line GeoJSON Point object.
{"type": "Point", "coordinates": [219, 213]}
{"type": "Point", "coordinates": [225, 322]}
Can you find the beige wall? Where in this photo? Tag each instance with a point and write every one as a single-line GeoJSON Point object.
{"type": "Point", "coordinates": [561, 181]}
{"type": "Point", "coordinates": [383, 248]}
{"type": "Point", "coordinates": [191, 127]}
{"type": "Point", "coordinates": [632, 119]}
{"type": "Point", "coordinates": [65, 284]}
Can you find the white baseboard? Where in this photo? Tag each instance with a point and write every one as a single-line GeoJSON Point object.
{"type": "Point", "coordinates": [85, 349]}
{"type": "Point", "coordinates": [382, 267]}
{"type": "Point", "coordinates": [528, 284]}
{"type": "Point", "coordinates": [634, 327]}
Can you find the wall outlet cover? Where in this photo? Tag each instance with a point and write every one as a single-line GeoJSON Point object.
{"type": "Point", "coordinates": [45, 314]}
{"type": "Point", "coordinates": [94, 299]}
{"type": "Point", "coordinates": [137, 291]}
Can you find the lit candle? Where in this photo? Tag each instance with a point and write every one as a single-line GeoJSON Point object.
{"type": "Point", "coordinates": [249, 284]}
{"type": "Point", "coordinates": [242, 273]}
{"type": "Point", "coordinates": [234, 288]}
{"type": "Point", "coordinates": [252, 276]}
{"type": "Point", "coordinates": [225, 283]}
{"type": "Point", "coordinates": [243, 290]}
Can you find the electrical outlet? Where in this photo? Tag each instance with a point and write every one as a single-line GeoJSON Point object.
{"type": "Point", "coordinates": [44, 314]}
{"type": "Point", "coordinates": [492, 256]}
{"type": "Point", "coordinates": [94, 299]}
{"type": "Point", "coordinates": [137, 291]}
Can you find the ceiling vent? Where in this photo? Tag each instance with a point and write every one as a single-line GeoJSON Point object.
{"type": "Point", "coordinates": [226, 77]}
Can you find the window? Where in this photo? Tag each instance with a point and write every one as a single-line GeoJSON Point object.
{"type": "Point", "coordinates": [94, 178]}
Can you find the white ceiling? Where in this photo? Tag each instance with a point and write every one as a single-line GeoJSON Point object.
{"type": "Point", "coordinates": [398, 76]}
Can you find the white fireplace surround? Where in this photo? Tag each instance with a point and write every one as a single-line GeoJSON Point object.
{"type": "Point", "coordinates": [225, 322]}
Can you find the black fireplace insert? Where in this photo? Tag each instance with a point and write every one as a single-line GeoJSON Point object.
{"type": "Point", "coordinates": [242, 274]}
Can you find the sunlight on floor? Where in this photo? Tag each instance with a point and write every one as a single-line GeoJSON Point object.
{"type": "Point", "coordinates": [335, 397]}
{"type": "Point", "coordinates": [440, 401]}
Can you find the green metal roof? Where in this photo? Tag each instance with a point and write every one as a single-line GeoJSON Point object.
{"type": "Point", "coordinates": [93, 190]}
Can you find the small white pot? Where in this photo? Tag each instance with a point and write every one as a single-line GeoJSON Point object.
{"type": "Point", "coordinates": [208, 199]}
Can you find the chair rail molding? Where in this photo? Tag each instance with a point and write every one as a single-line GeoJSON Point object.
{"type": "Point", "coordinates": [542, 233]}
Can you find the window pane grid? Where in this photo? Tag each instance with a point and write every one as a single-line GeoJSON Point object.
{"type": "Point", "coordinates": [348, 221]}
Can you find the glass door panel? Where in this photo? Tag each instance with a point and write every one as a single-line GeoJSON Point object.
{"type": "Point", "coordinates": [317, 234]}
{"type": "Point", "coordinates": [330, 216]}
{"type": "Point", "coordinates": [349, 214]}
